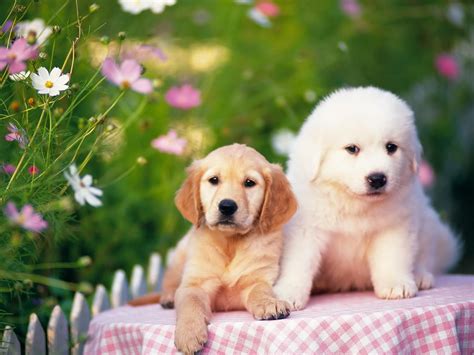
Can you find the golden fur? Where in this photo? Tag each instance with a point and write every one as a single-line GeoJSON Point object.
{"type": "Point", "coordinates": [219, 267]}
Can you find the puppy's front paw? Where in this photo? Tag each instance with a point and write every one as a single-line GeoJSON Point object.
{"type": "Point", "coordinates": [269, 309]}
{"type": "Point", "coordinates": [424, 280]}
{"type": "Point", "coordinates": [296, 298]}
{"type": "Point", "coordinates": [167, 300]}
{"type": "Point", "coordinates": [190, 335]}
{"type": "Point", "coordinates": [396, 290]}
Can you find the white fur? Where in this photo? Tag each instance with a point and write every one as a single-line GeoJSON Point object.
{"type": "Point", "coordinates": [342, 238]}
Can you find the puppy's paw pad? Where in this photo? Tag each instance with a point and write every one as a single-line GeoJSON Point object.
{"type": "Point", "coordinates": [296, 301]}
{"type": "Point", "coordinates": [190, 336]}
{"type": "Point", "coordinates": [424, 280]}
{"type": "Point", "coordinates": [397, 291]}
{"type": "Point", "coordinates": [271, 309]}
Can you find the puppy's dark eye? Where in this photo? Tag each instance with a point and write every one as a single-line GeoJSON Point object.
{"type": "Point", "coordinates": [214, 180]}
{"type": "Point", "coordinates": [391, 148]}
{"type": "Point", "coordinates": [249, 183]}
{"type": "Point", "coordinates": [352, 149]}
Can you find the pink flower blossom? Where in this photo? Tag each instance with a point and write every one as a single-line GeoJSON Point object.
{"type": "Point", "coordinates": [9, 169]}
{"type": "Point", "coordinates": [33, 170]}
{"type": "Point", "coordinates": [16, 134]}
{"type": "Point", "coordinates": [143, 52]}
{"type": "Point", "coordinates": [447, 66]}
{"type": "Point", "coordinates": [127, 75]}
{"type": "Point", "coordinates": [426, 174]}
{"type": "Point", "coordinates": [184, 97]}
{"type": "Point", "coordinates": [26, 218]}
{"type": "Point", "coordinates": [15, 56]}
{"type": "Point", "coordinates": [170, 143]}
{"type": "Point", "coordinates": [268, 8]}
{"type": "Point", "coordinates": [351, 7]}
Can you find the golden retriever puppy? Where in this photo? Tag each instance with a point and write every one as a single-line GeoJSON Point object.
{"type": "Point", "coordinates": [363, 220]}
{"type": "Point", "coordinates": [238, 203]}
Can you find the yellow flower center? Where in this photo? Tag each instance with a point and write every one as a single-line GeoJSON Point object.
{"type": "Point", "coordinates": [49, 84]}
{"type": "Point", "coordinates": [125, 85]}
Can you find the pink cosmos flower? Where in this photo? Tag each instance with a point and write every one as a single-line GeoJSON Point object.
{"type": "Point", "coordinates": [26, 218]}
{"type": "Point", "coordinates": [170, 143]}
{"type": "Point", "coordinates": [15, 56]}
{"type": "Point", "coordinates": [9, 169]}
{"type": "Point", "coordinates": [184, 97]}
{"type": "Point", "coordinates": [426, 174]}
{"type": "Point", "coordinates": [351, 7]}
{"type": "Point", "coordinates": [16, 134]}
{"type": "Point", "coordinates": [33, 170]}
{"type": "Point", "coordinates": [143, 52]}
{"type": "Point", "coordinates": [447, 66]}
{"type": "Point", "coordinates": [268, 8]}
{"type": "Point", "coordinates": [127, 75]}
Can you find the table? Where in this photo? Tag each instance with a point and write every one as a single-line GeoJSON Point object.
{"type": "Point", "coordinates": [437, 321]}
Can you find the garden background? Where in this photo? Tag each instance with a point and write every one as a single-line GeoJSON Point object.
{"type": "Point", "coordinates": [216, 72]}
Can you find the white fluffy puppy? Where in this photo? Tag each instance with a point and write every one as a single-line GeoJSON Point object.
{"type": "Point", "coordinates": [363, 221]}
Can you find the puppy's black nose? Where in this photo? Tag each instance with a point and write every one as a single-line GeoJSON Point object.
{"type": "Point", "coordinates": [227, 207]}
{"type": "Point", "coordinates": [377, 180]}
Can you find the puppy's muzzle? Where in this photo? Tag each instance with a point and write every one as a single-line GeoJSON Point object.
{"type": "Point", "coordinates": [228, 207]}
{"type": "Point", "coordinates": [376, 181]}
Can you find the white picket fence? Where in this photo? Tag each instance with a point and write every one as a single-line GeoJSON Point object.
{"type": "Point", "coordinates": [62, 338]}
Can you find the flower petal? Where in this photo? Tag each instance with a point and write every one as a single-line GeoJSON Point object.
{"type": "Point", "coordinates": [80, 198]}
{"type": "Point", "coordinates": [131, 70]}
{"type": "Point", "coordinates": [111, 71]}
{"type": "Point", "coordinates": [43, 73]}
{"type": "Point", "coordinates": [54, 74]}
{"type": "Point", "coordinates": [92, 200]}
{"type": "Point", "coordinates": [11, 212]}
{"type": "Point", "coordinates": [143, 86]}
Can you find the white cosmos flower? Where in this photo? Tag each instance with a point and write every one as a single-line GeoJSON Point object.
{"type": "Point", "coordinates": [83, 189]}
{"type": "Point", "coordinates": [35, 31]}
{"type": "Point", "coordinates": [282, 141]}
{"type": "Point", "coordinates": [158, 6]}
{"type": "Point", "coordinates": [137, 6]}
{"type": "Point", "coordinates": [134, 6]}
{"type": "Point", "coordinates": [49, 83]}
{"type": "Point", "coordinates": [20, 76]}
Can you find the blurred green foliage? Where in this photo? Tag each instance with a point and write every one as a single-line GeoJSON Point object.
{"type": "Point", "coordinates": [253, 81]}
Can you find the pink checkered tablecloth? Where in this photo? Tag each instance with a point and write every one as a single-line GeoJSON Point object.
{"type": "Point", "coordinates": [438, 321]}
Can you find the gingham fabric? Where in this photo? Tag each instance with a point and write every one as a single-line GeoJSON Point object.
{"type": "Point", "coordinates": [437, 321]}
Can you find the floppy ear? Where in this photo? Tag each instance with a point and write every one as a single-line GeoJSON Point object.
{"type": "Point", "coordinates": [415, 151]}
{"type": "Point", "coordinates": [279, 203]}
{"type": "Point", "coordinates": [188, 199]}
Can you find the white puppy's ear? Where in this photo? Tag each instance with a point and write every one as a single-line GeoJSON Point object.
{"type": "Point", "coordinates": [416, 151]}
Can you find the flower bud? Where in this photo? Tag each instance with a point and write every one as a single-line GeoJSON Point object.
{"type": "Point", "coordinates": [93, 8]}
{"type": "Point", "coordinates": [141, 161]}
{"type": "Point", "coordinates": [56, 29]}
{"type": "Point", "coordinates": [31, 101]}
{"type": "Point", "coordinates": [15, 106]}
{"type": "Point", "coordinates": [105, 39]}
{"type": "Point", "coordinates": [122, 35]}
{"type": "Point", "coordinates": [92, 120]}
{"type": "Point", "coordinates": [84, 261]}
